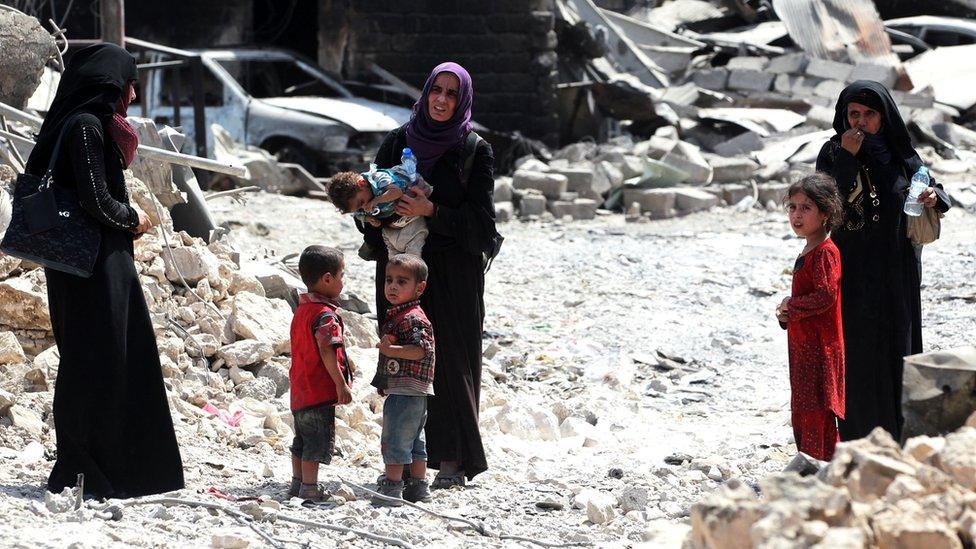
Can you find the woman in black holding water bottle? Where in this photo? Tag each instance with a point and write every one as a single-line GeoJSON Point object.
{"type": "Point", "coordinates": [872, 160]}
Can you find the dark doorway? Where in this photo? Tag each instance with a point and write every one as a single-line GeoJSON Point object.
{"type": "Point", "coordinates": [291, 24]}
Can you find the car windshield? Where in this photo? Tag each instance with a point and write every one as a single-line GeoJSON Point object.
{"type": "Point", "coordinates": [262, 78]}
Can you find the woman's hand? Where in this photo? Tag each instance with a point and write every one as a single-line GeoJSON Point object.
{"type": "Point", "coordinates": [928, 198]}
{"type": "Point", "coordinates": [781, 310]}
{"type": "Point", "coordinates": [144, 224]}
{"type": "Point", "coordinates": [414, 203]}
{"type": "Point", "coordinates": [851, 140]}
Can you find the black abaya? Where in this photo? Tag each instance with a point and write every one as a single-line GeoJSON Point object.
{"type": "Point", "coordinates": [111, 415]}
{"type": "Point", "coordinates": [880, 286]}
{"type": "Point", "coordinates": [454, 300]}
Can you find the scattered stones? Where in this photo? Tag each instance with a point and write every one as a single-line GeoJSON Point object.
{"type": "Point", "coordinates": [245, 352]}
{"type": "Point", "coordinates": [10, 350]}
{"type": "Point", "coordinates": [263, 319]}
{"type": "Point", "coordinates": [600, 507]}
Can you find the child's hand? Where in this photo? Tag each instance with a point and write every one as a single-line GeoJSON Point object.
{"type": "Point", "coordinates": [781, 310]}
{"type": "Point", "coordinates": [343, 394]}
{"type": "Point", "coordinates": [385, 343]}
{"type": "Point", "coordinates": [381, 392]}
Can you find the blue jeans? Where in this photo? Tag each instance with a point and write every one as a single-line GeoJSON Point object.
{"type": "Point", "coordinates": [403, 429]}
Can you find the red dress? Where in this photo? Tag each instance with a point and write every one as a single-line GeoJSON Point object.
{"type": "Point", "coordinates": [816, 348]}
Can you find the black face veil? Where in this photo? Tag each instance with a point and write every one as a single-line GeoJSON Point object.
{"type": "Point", "coordinates": [92, 82]}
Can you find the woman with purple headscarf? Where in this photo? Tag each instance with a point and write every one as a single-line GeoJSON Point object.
{"type": "Point", "coordinates": [461, 219]}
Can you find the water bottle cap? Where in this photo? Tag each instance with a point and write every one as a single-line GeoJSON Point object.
{"type": "Point", "coordinates": [407, 151]}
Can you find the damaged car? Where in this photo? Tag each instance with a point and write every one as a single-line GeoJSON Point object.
{"type": "Point", "coordinates": [279, 101]}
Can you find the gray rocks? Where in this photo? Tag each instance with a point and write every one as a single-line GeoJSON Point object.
{"type": "Point", "coordinates": [10, 350]}
{"type": "Point", "coordinates": [245, 352]}
{"type": "Point", "coordinates": [549, 184]}
{"type": "Point", "coordinates": [26, 48]}
{"type": "Point", "coordinates": [264, 319]}
{"type": "Point", "coordinates": [261, 388]}
{"type": "Point", "coordinates": [23, 302]}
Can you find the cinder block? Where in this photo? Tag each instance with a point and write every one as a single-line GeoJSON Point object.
{"type": "Point", "coordinates": [503, 189]}
{"type": "Point", "coordinates": [549, 184]}
{"type": "Point", "coordinates": [732, 193]}
{"type": "Point", "coordinates": [774, 192]}
{"type": "Point", "coordinates": [579, 180]}
{"type": "Point", "coordinates": [715, 79]}
{"type": "Point", "coordinates": [747, 63]}
{"type": "Point", "coordinates": [504, 211]}
{"type": "Point", "coordinates": [585, 208]}
{"type": "Point", "coordinates": [741, 144]}
{"type": "Point", "coordinates": [658, 203]}
{"type": "Point", "coordinates": [791, 63]}
{"type": "Point", "coordinates": [561, 208]}
{"type": "Point", "coordinates": [785, 83]}
{"type": "Point", "coordinates": [750, 80]}
{"type": "Point", "coordinates": [829, 88]}
{"type": "Point", "coordinates": [831, 70]}
{"type": "Point", "coordinates": [694, 200]}
{"type": "Point", "coordinates": [879, 73]}
{"type": "Point", "coordinates": [731, 169]}
{"type": "Point", "coordinates": [532, 204]}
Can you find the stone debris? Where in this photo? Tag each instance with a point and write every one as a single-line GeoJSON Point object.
{"type": "Point", "coordinates": [873, 493]}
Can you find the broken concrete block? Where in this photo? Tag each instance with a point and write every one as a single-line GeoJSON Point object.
{"type": "Point", "coordinates": [6, 401]}
{"type": "Point", "coordinates": [886, 75]}
{"type": "Point", "coordinates": [829, 89]}
{"type": "Point", "coordinates": [561, 208]}
{"type": "Point", "coordinates": [600, 508]}
{"type": "Point", "coordinates": [245, 352]}
{"type": "Point", "coordinates": [532, 204]}
{"type": "Point", "coordinates": [533, 165]}
{"type": "Point", "coordinates": [503, 189]}
{"type": "Point", "coordinates": [714, 79]}
{"type": "Point", "coordinates": [689, 159]}
{"type": "Point", "coordinates": [831, 70]}
{"type": "Point", "coordinates": [731, 169]}
{"type": "Point", "coordinates": [821, 117]}
{"type": "Point", "coordinates": [684, 95]}
{"type": "Point", "coordinates": [568, 196]}
{"type": "Point", "coordinates": [614, 176]}
{"type": "Point", "coordinates": [694, 200]}
{"type": "Point", "coordinates": [10, 350]}
{"type": "Point", "coordinates": [267, 320]}
{"type": "Point", "coordinates": [504, 212]}
{"type": "Point", "coordinates": [26, 48]}
{"type": "Point", "coordinates": [576, 152]}
{"type": "Point", "coordinates": [195, 263]}
{"type": "Point", "coordinates": [959, 136]}
{"type": "Point", "coordinates": [743, 143]}
{"type": "Point", "coordinates": [23, 302]}
{"type": "Point", "coordinates": [938, 395]}
{"type": "Point", "coordinates": [732, 193]}
{"type": "Point", "coordinates": [750, 80]}
{"type": "Point", "coordinates": [785, 83]}
{"type": "Point", "coordinates": [585, 208]}
{"type": "Point", "coordinates": [579, 180]}
{"type": "Point", "coordinates": [773, 192]}
{"type": "Point", "coordinates": [549, 184]}
{"type": "Point", "coordinates": [26, 419]}
{"type": "Point", "coordinates": [747, 63]}
{"type": "Point", "coordinates": [658, 203]}
{"type": "Point", "coordinates": [793, 63]}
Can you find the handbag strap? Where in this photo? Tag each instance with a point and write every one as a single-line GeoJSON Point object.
{"type": "Point", "coordinates": [48, 176]}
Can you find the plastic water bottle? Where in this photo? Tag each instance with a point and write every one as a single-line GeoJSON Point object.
{"type": "Point", "coordinates": [920, 182]}
{"type": "Point", "coordinates": [409, 164]}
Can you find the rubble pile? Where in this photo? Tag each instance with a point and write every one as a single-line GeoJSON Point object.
{"type": "Point", "coordinates": [27, 48]}
{"type": "Point", "coordinates": [873, 493]}
{"type": "Point", "coordinates": [222, 328]}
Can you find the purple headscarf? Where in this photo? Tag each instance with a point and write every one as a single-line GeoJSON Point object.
{"type": "Point", "coordinates": [430, 139]}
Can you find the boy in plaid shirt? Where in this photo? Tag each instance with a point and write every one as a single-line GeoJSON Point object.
{"type": "Point", "coordinates": [405, 375]}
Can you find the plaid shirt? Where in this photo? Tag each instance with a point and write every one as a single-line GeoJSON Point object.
{"type": "Point", "coordinates": [408, 323]}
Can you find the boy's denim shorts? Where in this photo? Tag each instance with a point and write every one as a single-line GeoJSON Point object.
{"type": "Point", "coordinates": [314, 434]}
{"type": "Point", "coordinates": [403, 429]}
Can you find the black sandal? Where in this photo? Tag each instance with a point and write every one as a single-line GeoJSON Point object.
{"type": "Point", "coordinates": [444, 482]}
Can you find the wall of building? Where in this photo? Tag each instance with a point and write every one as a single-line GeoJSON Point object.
{"type": "Point", "coordinates": [190, 23]}
{"type": "Point", "coordinates": [508, 46]}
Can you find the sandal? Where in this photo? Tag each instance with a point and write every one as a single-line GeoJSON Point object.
{"type": "Point", "coordinates": [444, 482]}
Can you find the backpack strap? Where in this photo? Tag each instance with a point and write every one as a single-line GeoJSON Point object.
{"type": "Point", "coordinates": [471, 143]}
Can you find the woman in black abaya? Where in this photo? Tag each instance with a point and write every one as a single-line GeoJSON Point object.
{"type": "Point", "coordinates": [111, 415]}
{"type": "Point", "coordinates": [872, 159]}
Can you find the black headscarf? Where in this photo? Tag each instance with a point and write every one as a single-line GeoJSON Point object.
{"type": "Point", "coordinates": [92, 82]}
{"type": "Point", "coordinates": [876, 96]}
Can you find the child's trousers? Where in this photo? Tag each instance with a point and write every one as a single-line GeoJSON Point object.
{"type": "Point", "coordinates": [816, 433]}
{"type": "Point", "coordinates": [407, 240]}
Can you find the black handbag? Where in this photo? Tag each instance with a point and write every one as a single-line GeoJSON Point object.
{"type": "Point", "coordinates": [49, 227]}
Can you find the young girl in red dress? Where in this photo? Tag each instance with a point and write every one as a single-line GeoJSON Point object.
{"type": "Point", "coordinates": [812, 317]}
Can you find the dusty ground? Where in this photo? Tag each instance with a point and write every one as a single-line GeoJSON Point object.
{"type": "Point", "coordinates": [578, 317]}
